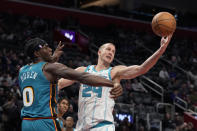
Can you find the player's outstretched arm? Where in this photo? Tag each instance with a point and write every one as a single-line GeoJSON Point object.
{"type": "Point", "coordinates": [58, 52]}
{"type": "Point", "coordinates": [137, 70]}
{"type": "Point", "coordinates": [65, 82]}
{"type": "Point", "coordinates": [59, 70]}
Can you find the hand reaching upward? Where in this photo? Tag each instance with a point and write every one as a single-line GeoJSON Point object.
{"type": "Point", "coordinates": [58, 52]}
{"type": "Point", "coordinates": [164, 43]}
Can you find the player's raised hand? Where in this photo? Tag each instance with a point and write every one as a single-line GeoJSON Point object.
{"type": "Point", "coordinates": [164, 43]}
{"type": "Point", "coordinates": [58, 52]}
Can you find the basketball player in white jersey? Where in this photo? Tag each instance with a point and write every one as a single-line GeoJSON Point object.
{"type": "Point", "coordinates": [95, 104]}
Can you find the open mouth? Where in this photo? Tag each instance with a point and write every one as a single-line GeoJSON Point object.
{"type": "Point", "coordinates": [109, 57]}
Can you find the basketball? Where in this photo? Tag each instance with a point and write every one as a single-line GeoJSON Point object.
{"type": "Point", "coordinates": [163, 24]}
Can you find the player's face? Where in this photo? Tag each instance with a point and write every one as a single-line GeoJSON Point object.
{"type": "Point", "coordinates": [69, 122]}
{"type": "Point", "coordinates": [63, 106]}
{"type": "Point", "coordinates": [107, 53]}
{"type": "Point", "coordinates": [46, 53]}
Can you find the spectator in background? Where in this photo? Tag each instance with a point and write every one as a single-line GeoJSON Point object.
{"type": "Point", "coordinates": [4, 85]}
{"type": "Point", "coordinates": [190, 85]}
{"type": "Point", "coordinates": [184, 90]}
{"type": "Point", "coordinates": [137, 86]}
{"type": "Point", "coordinates": [174, 94]}
{"type": "Point", "coordinates": [86, 61]}
{"type": "Point", "coordinates": [168, 122]}
{"type": "Point", "coordinates": [127, 126]}
{"type": "Point", "coordinates": [142, 128]}
{"type": "Point", "coordinates": [193, 76]}
{"type": "Point", "coordinates": [2, 96]}
{"type": "Point", "coordinates": [190, 127]}
{"type": "Point", "coordinates": [163, 74]}
{"type": "Point", "coordinates": [62, 106]}
{"type": "Point", "coordinates": [179, 122]}
{"type": "Point", "coordinates": [1, 78]}
{"type": "Point", "coordinates": [9, 80]}
{"type": "Point", "coordinates": [193, 97]}
{"type": "Point", "coordinates": [189, 102]}
{"type": "Point", "coordinates": [68, 124]}
{"type": "Point", "coordinates": [128, 85]}
{"type": "Point", "coordinates": [174, 83]}
{"type": "Point", "coordinates": [11, 114]}
{"type": "Point", "coordinates": [71, 113]}
{"type": "Point", "coordinates": [174, 61]}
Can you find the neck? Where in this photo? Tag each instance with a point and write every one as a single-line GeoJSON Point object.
{"type": "Point", "coordinates": [36, 60]}
{"type": "Point", "coordinates": [101, 65]}
{"type": "Point", "coordinates": [59, 115]}
{"type": "Point", "coordinates": [69, 129]}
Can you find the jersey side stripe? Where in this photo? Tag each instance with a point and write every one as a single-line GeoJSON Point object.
{"type": "Point", "coordinates": [94, 108]}
{"type": "Point", "coordinates": [105, 103]}
{"type": "Point", "coordinates": [52, 99]}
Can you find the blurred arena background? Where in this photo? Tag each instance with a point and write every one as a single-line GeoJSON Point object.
{"type": "Point", "coordinates": [164, 99]}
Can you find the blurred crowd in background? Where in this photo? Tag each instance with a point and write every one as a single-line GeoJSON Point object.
{"type": "Point", "coordinates": [175, 71]}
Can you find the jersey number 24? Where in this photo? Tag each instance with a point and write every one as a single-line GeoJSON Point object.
{"type": "Point", "coordinates": [86, 92]}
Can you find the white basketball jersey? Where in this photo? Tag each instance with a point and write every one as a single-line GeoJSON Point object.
{"type": "Point", "coordinates": [94, 103]}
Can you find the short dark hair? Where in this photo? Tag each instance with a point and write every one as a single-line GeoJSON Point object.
{"type": "Point", "coordinates": [60, 99]}
{"type": "Point", "coordinates": [33, 45]}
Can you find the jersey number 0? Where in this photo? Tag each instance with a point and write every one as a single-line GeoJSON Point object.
{"type": "Point", "coordinates": [28, 96]}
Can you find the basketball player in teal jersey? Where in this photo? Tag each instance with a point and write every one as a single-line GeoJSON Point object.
{"type": "Point", "coordinates": [95, 105]}
{"type": "Point", "coordinates": [37, 83]}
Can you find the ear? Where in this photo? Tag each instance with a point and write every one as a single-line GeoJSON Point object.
{"type": "Point", "coordinates": [99, 52]}
{"type": "Point", "coordinates": [36, 54]}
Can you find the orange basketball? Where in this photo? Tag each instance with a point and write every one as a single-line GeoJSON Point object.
{"type": "Point", "coordinates": [163, 24]}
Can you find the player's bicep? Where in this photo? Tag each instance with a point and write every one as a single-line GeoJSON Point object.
{"type": "Point", "coordinates": [129, 72]}
{"type": "Point", "coordinates": [59, 70]}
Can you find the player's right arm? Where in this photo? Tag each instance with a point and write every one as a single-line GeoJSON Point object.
{"type": "Point", "coordinates": [130, 72]}
{"type": "Point", "coordinates": [58, 70]}
{"type": "Point", "coordinates": [65, 82]}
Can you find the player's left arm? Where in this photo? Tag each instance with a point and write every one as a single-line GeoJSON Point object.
{"type": "Point", "coordinates": [130, 72]}
{"type": "Point", "coordinates": [65, 82]}
{"type": "Point", "coordinates": [58, 52]}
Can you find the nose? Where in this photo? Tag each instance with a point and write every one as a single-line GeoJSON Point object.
{"type": "Point", "coordinates": [50, 49]}
{"type": "Point", "coordinates": [110, 53]}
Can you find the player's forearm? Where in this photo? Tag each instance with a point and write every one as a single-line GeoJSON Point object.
{"type": "Point", "coordinates": [151, 61]}
{"type": "Point", "coordinates": [64, 83]}
{"type": "Point", "coordinates": [54, 58]}
{"type": "Point", "coordinates": [61, 71]}
{"type": "Point", "coordinates": [94, 80]}
{"type": "Point", "coordinates": [131, 72]}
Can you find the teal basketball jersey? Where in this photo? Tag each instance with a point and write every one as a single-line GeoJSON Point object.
{"type": "Point", "coordinates": [39, 95]}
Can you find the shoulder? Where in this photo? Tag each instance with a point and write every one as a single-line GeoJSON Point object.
{"type": "Point", "coordinates": [53, 65]}
{"type": "Point", "coordinates": [115, 69]}
{"type": "Point", "coordinates": [81, 69]}
{"type": "Point", "coordinates": [22, 68]}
